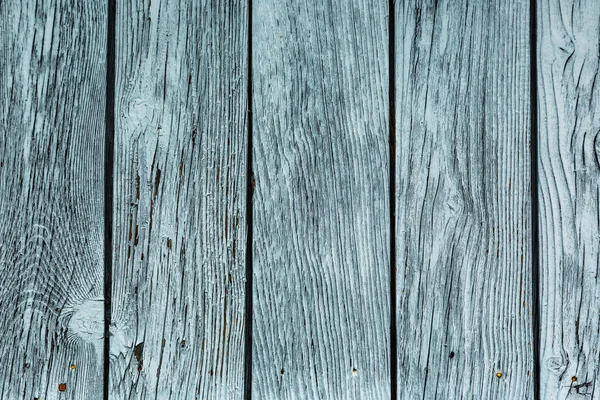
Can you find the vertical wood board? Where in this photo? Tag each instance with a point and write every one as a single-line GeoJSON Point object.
{"type": "Point", "coordinates": [52, 90]}
{"type": "Point", "coordinates": [464, 314]}
{"type": "Point", "coordinates": [179, 214]}
{"type": "Point", "coordinates": [321, 310]}
{"type": "Point", "coordinates": [568, 71]}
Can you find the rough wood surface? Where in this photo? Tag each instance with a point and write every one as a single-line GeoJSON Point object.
{"type": "Point", "coordinates": [569, 192]}
{"type": "Point", "coordinates": [321, 213]}
{"type": "Point", "coordinates": [52, 69]}
{"type": "Point", "coordinates": [463, 200]}
{"type": "Point", "coordinates": [178, 273]}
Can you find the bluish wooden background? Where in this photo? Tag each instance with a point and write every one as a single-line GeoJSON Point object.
{"type": "Point", "coordinates": [291, 199]}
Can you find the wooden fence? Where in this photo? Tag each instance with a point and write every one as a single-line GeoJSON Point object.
{"type": "Point", "coordinates": [299, 199]}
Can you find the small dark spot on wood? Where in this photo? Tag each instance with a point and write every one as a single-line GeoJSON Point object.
{"type": "Point", "coordinates": [138, 352]}
{"type": "Point", "coordinates": [139, 368]}
{"type": "Point", "coordinates": [27, 365]}
{"type": "Point", "coordinates": [574, 379]}
{"type": "Point", "coordinates": [451, 355]}
{"type": "Point", "coordinates": [62, 387]}
{"type": "Point", "coordinates": [189, 80]}
{"type": "Point", "coordinates": [230, 278]}
{"type": "Point", "coordinates": [210, 372]}
{"type": "Point", "coordinates": [169, 243]}
{"type": "Point", "coordinates": [142, 257]}
{"type": "Point", "coordinates": [156, 182]}
{"type": "Point", "coordinates": [354, 371]}
{"type": "Point", "coordinates": [282, 372]}
{"type": "Point", "coordinates": [182, 343]}
{"type": "Point", "coordinates": [137, 187]}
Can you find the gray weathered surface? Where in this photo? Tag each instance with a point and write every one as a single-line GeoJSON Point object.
{"type": "Point", "coordinates": [321, 213]}
{"type": "Point", "coordinates": [569, 192]}
{"type": "Point", "coordinates": [463, 200]}
{"type": "Point", "coordinates": [178, 274]}
{"type": "Point", "coordinates": [52, 69]}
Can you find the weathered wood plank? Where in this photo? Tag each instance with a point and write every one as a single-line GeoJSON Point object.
{"type": "Point", "coordinates": [568, 50]}
{"type": "Point", "coordinates": [321, 213]}
{"type": "Point", "coordinates": [52, 85]}
{"type": "Point", "coordinates": [178, 274]}
{"type": "Point", "coordinates": [463, 202]}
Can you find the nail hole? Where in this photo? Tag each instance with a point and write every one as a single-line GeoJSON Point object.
{"type": "Point", "coordinates": [282, 372]}
{"type": "Point", "coordinates": [354, 371]}
{"type": "Point", "coordinates": [451, 355]}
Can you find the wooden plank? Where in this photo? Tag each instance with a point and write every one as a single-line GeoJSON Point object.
{"type": "Point", "coordinates": [179, 271]}
{"type": "Point", "coordinates": [321, 214]}
{"type": "Point", "coordinates": [52, 64]}
{"type": "Point", "coordinates": [568, 48]}
{"type": "Point", "coordinates": [463, 207]}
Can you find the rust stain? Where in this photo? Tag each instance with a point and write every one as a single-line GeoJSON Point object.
{"type": "Point", "coordinates": [62, 387]}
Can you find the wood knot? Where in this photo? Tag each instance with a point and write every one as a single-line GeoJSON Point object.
{"type": "Point", "coordinates": [87, 320]}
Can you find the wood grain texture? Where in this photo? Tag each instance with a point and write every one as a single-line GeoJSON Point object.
{"type": "Point", "coordinates": [52, 69]}
{"type": "Point", "coordinates": [463, 200]}
{"type": "Point", "coordinates": [568, 50]}
{"type": "Point", "coordinates": [321, 214]}
{"type": "Point", "coordinates": [178, 273]}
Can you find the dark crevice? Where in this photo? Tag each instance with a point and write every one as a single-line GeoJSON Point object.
{"type": "Point", "coordinates": [109, 139]}
{"type": "Point", "coordinates": [535, 250]}
{"type": "Point", "coordinates": [392, 185]}
{"type": "Point", "coordinates": [249, 204]}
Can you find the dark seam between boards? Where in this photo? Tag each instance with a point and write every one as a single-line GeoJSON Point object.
{"type": "Point", "coordinates": [249, 210]}
{"type": "Point", "coordinates": [392, 189]}
{"type": "Point", "coordinates": [108, 184]}
{"type": "Point", "coordinates": [535, 268]}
